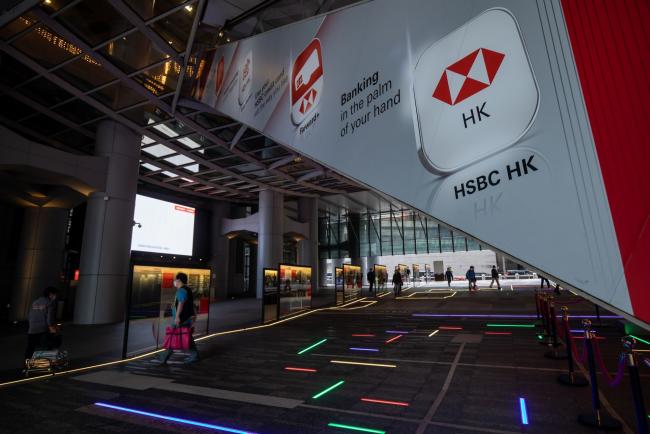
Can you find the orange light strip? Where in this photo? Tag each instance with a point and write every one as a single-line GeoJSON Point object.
{"type": "Point", "coordinates": [291, 368]}
{"type": "Point", "coordinates": [381, 401]}
{"type": "Point", "coordinates": [393, 339]}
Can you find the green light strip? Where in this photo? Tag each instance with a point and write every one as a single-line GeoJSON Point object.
{"type": "Point", "coordinates": [329, 389]}
{"type": "Point", "coordinates": [312, 346]}
{"type": "Point", "coordinates": [526, 326]}
{"type": "Point", "coordinates": [641, 340]}
{"type": "Point", "coordinates": [355, 428]}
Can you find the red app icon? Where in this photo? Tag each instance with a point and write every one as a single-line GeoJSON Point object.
{"type": "Point", "coordinates": [306, 81]}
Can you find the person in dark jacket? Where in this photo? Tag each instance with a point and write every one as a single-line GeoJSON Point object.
{"type": "Point", "coordinates": [495, 276]}
{"type": "Point", "coordinates": [449, 276]}
{"type": "Point", "coordinates": [471, 278]}
{"type": "Point", "coordinates": [542, 280]}
{"type": "Point", "coordinates": [182, 316]}
{"type": "Point", "coordinates": [397, 283]}
{"type": "Point", "coordinates": [371, 279]}
{"type": "Point", "coordinates": [42, 320]}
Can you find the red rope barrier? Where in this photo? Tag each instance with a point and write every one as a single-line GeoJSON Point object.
{"type": "Point", "coordinates": [611, 381]}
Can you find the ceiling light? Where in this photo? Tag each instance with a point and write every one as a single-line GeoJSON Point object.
{"type": "Point", "coordinates": [189, 8]}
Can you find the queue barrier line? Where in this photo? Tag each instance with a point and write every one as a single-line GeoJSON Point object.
{"type": "Point", "coordinates": [152, 353]}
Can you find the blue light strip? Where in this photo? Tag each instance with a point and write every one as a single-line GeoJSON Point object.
{"type": "Point", "coordinates": [397, 332]}
{"type": "Point", "coordinates": [524, 413]}
{"type": "Point", "coordinates": [364, 349]}
{"type": "Point", "coordinates": [174, 419]}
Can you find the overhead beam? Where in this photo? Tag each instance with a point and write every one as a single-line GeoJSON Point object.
{"type": "Point", "coordinates": [64, 32]}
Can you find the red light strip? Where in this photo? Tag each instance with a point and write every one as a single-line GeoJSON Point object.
{"type": "Point", "coordinates": [381, 401]}
{"type": "Point", "coordinates": [393, 339]}
{"type": "Point", "coordinates": [291, 368]}
{"type": "Point", "coordinates": [361, 335]}
{"type": "Point", "coordinates": [498, 333]}
{"type": "Point", "coordinates": [449, 328]}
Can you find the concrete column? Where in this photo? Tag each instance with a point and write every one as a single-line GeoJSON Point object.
{"type": "Point", "coordinates": [354, 228]}
{"type": "Point", "coordinates": [270, 234]}
{"type": "Point", "coordinates": [106, 246]}
{"type": "Point", "coordinates": [308, 248]}
{"type": "Point", "coordinates": [39, 256]}
{"type": "Point", "coordinates": [219, 252]}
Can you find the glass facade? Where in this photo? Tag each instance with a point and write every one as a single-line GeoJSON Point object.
{"type": "Point", "coordinates": [391, 232]}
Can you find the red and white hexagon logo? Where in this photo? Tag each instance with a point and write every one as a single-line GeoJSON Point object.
{"type": "Point", "coordinates": [468, 76]}
{"type": "Point", "coordinates": [306, 81]}
{"type": "Point", "coordinates": [471, 106]}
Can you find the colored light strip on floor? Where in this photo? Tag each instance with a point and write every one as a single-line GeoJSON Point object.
{"type": "Point", "coordinates": [397, 332]}
{"type": "Point", "coordinates": [173, 419]}
{"type": "Point", "coordinates": [355, 428]}
{"type": "Point", "coordinates": [378, 365]}
{"type": "Point", "coordinates": [393, 339]}
{"type": "Point", "coordinates": [600, 338]}
{"type": "Point", "coordinates": [524, 326]}
{"type": "Point", "coordinates": [381, 401]}
{"type": "Point", "coordinates": [640, 340]}
{"type": "Point", "coordinates": [473, 315]}
{"type": "Point", "coordinates": [433, 333]}
{"type": "Point", "coordinates": [291, 368]}
{"type": "Point", "coordinates": [329, 389]}
{"type": "Point", "coordinates": [312, 346]}
{"type": "Point", "coordinates": [364, 349]}
{"type": "Point", "coordinates": [498, 333]}
{"type": "Point", "coordinates": [449, 328]}
{"type": "Point", "coordinates": [524, 413]}
{"type": "Point", "coordinates": [362, 335]}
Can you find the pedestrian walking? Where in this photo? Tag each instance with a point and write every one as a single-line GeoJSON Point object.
{"type": "Point", "coordinates": [371, 279]}
{"type": "Point", "coordinates": [495, 277]}
{"type": "Point", "coordinates": [183, 316]}
{"type": "Point", "coordinates": [470, 275]}
{"type": "Point", "coordinates": [449, 276]}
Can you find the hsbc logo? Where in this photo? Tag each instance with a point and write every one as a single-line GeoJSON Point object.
{"type": "Point", "coordinates": [306, 81]}
{"type": "Point", "coordinates": [468, 76]}
{"type": "Point", "coordinates": [468, 108]}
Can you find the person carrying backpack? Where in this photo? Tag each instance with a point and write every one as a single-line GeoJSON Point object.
{"type": "Point", "coordinates": [182, 316]}
{"type": "Point", "coordinates": [471, 278]}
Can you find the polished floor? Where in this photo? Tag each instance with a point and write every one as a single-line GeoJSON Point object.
{"type": "Point", "coordinates": [378, 366]}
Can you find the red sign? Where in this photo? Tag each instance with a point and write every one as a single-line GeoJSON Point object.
{"type": "Point", "coordinates": [306, 81]}
{"type": "Point", "coordinates": [76, 275]}
{"type": "Point", "coordinates": [468, 76]}
{"type": "Point", "coordinates": [168, 280]}
{"type": "Point", "coordinates": [184, 209]}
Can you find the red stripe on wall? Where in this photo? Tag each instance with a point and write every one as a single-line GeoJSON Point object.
{"type": "Point", "coordinates": [611, 46]}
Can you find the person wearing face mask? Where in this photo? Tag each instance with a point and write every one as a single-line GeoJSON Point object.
{"type": "Point", "coordinates": [182, 316]}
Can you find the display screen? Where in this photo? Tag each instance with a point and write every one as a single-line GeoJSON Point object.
{"type": "Point", "coordinates": [381, 275]}
{"type": "Point", "coordinates": [295, 289]}
{"type": "Point", "coordinates": [162, 227]}
{"type": "Point", "coordinates": [353, 282]}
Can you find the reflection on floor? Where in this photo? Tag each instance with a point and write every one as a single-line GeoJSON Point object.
{"type": "Point", "coordinates": [419, 364]}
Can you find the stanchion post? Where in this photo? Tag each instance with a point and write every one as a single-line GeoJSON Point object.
{"type": "Point", "coordinates": [629, 343]}
{"type": "Point", "coordinates": [598, 418]}
{"type": "Point", "coordinates": [570, 378]}
{"type": "Point", "coordinates": [537, 305]}
{"type": "Point", "coordinates": [546, 315]}
{"type": "Point", "coordinates": [554, 353]}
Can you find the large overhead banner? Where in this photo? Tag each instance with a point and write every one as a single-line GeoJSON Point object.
{"type": "Point", "coordinates": [470, 111]}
